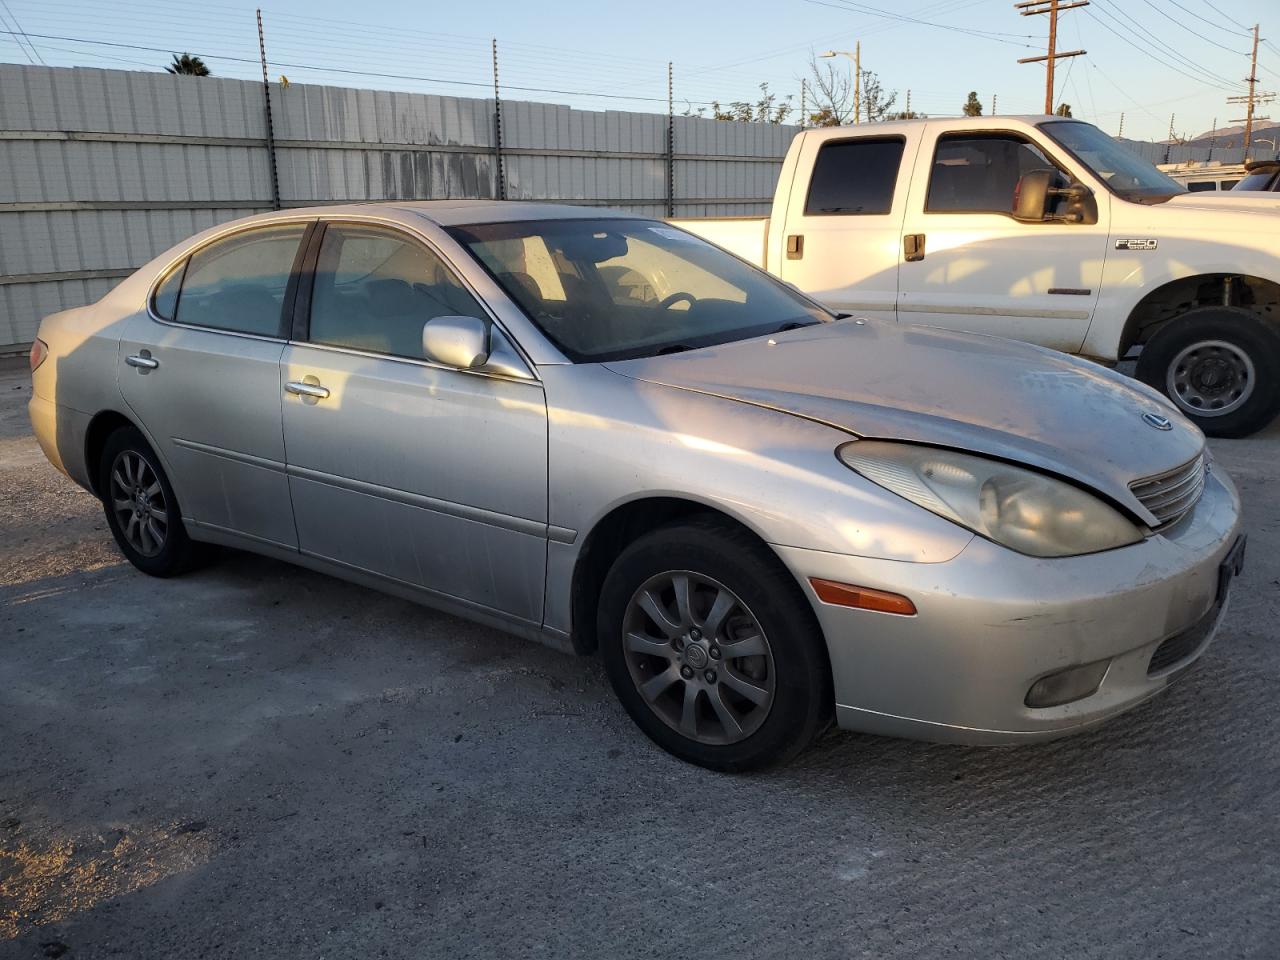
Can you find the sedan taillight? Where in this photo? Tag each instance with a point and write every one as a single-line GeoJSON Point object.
{"type": "Point", "coordinates": [39, 350]}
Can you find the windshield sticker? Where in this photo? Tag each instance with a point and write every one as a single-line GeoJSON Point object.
{"type": "Point", "coordinates": [667, 233]}
{"type": "Point", "coordinates": [1137, 244]}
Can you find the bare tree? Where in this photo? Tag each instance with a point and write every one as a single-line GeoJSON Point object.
{"type": "Point", "coordinates": [833, 96]}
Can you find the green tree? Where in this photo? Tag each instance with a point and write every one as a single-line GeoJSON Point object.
{"type": "Point", "coordinates": [973, 106]}
{"type": "Point", "coordinates": [1064, 110]}
{"type": "Point", "coordinates": [188, 66]}
{"type": "Point", "coordinates": [907, 115]}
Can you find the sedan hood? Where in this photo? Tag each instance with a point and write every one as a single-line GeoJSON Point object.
{"type": "Point", "coordinates": [979, 394]}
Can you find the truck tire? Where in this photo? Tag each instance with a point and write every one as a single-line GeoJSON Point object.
{"type": "Point", "coordinates": [1220, 366]}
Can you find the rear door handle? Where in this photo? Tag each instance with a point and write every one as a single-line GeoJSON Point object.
{"type": "Point", "coordinates": [302, 388]}
{"type": "Point", "coordinates": [795, 246]}
{"type": "Point", "coordinates": [913, 247]}
{"type": "Point", "coordinates": [143, 361]}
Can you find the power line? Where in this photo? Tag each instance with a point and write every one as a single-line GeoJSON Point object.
{"type": "Point", "coordinates": [1191, 30]}
{"type": "Point", "coordinates": [983, 34]}
{"type": "Point", "coordinates": [1221, 84]}
{"type": "Point", "coordinates": [1212, 23]}
{"type": "Point", "coordinates": [1228, 16]}
{"type": "Point", "coordinates": [30, 50]}
{"type": "Point", "coordinates": [360, 73]}
{"type": "Point", "coordinates": [1145, 33]}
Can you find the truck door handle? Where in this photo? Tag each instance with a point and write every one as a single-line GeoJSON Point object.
{"type": "Point", "coordinates": [913, 247]}
{"type": "Point", "coordinates": [795, 246]}
{"type": "Point", "coordinates": [304, 389]}
{"type": "Point", "coordinates": [143, 361]}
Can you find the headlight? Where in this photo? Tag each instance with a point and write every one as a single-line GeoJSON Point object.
{"type": "Point", "coordinates": [1020, 509]}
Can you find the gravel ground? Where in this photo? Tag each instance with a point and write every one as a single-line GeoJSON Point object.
{"type": "Point", "coordinates": [255, 760]}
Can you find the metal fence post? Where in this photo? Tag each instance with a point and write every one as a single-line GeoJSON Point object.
{"type": "Point", "coordinates": [500, 176]}
{"type": "Point", "coordinates": [671, 145]}
{"type": "Point", "coordinates": [271, 135]}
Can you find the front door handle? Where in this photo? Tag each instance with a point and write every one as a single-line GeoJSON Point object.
{"type": "Point", "coordinates": [143, 361]}
{"type": "Point", "coordinates": [307, 389]}
{"type": "Point", "coordinates": [913, 247]}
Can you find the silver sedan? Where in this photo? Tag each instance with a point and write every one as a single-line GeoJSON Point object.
{"type": "Point", "coordinates": [603, 433]}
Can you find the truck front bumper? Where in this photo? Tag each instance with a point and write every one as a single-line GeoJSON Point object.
{"type": "Point", "coordinates": [990, 623]}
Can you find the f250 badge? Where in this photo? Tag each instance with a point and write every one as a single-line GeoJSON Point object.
{"type": "Point", "coordinates": [1146, 244]}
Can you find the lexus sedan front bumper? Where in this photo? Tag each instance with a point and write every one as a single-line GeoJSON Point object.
{"type": "Point", "coordinates": [990, 623]}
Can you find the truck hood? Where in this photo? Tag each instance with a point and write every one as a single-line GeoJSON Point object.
{"type": "Point", "coordinates": [979, 394]}
{"type": "Point", "coordinates": [1213, 202]}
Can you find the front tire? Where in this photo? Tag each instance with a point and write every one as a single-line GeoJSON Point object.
{"type": "Point", "coordinates": [713, 649]}
{"type": "Point", "coordinates": [1220, 366]}
{"type": "Point", "coordinates": [141, 508]}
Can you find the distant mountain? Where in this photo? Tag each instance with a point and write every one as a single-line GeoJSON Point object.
{"type": "Point", "coordinates": [1234, 135]}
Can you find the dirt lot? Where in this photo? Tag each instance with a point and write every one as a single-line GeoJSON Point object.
{"type": "Point", "coordinates": [258, 761]}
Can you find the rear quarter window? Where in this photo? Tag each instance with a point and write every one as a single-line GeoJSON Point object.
{"type": "Point", "coordinates": [855, 177]}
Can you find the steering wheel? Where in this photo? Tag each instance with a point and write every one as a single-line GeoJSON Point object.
{"type": "Point", "coordinates": [672, 299]}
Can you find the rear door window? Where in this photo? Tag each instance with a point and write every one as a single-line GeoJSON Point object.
{"type": "Point", "coordinates": [239, 283]}
{"type": "Point", "coordinates": [855, 177]}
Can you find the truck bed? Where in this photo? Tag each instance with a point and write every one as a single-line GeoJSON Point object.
{"type": "Point", "coordinates": [743, 236]}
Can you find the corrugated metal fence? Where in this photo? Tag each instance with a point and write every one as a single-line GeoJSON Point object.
{"type": "Point", "coordinates": [102, 169]}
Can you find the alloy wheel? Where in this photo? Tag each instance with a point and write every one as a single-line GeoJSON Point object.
{"type": "Point", "coordinates": [699, 657]}
{"type": "Point", "coordinates": [139, 504]}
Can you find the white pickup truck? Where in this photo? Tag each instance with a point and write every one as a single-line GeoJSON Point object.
{"type": "Point", "coordinates": [1041, 229]}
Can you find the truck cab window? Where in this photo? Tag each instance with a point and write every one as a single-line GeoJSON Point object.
{"type": "Point", "coordinates": [978, 173]}
{"type": "Point", "coordinates": [855, 177]}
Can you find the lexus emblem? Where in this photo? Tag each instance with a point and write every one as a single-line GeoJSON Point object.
{"type": "Point", "coordinates": [1157, 421]}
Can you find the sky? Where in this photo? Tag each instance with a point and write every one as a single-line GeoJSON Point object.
{"type": "Point", "coordinates": [1146, 59]}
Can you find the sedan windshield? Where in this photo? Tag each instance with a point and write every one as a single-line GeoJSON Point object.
{"type": "Point", "coordinates": [612, 289]}
{"type": "Point", "coordinates": [1124, 172]}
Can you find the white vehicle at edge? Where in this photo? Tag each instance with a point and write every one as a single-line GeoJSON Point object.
{"type": "Point", "coordinates": [1041, 229]}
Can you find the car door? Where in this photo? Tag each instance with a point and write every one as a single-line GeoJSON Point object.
{"type": "Point", "coordinates": [843, 227]}
{"type": "Point", "coordinates": [200, 368]}
{"type": "Point", "coordinates": [975, 267]}
{"type": "Point", "coordinates": [398, 466]}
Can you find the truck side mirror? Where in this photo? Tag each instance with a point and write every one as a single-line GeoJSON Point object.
{"type": "Point", "coordinates": [1031, 195]}
{"type": "Point", "coordinates": [1036, 193]}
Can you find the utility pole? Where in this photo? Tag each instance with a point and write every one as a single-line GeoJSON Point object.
{"type": "Point", "coordinates": [1030, 8]}
{"type": "Point", "coordinates": [671, 142]}
{"type": "Point", "coordinates": [1168, 147]}
{"type": "Point", "coordinates": [1253, 97]}
{"type": "Point", "coordinates": [858, 78]}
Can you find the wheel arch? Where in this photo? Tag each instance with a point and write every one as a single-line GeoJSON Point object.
{"type": "Point", "coordinates": [616, 530]}
{"type": "Point", "coordinates": [1173, 298]}
{"type": "Point", "coordinates": [103, 424]}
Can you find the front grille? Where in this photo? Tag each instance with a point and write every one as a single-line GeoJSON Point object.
{"type": "Point", "coordinates": [1170, 496]}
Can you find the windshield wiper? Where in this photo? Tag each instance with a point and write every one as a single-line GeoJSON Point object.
{"type": "Point", "coordinates": [673, 348]}
{"type": "Point", "coordinates": [795, 325]}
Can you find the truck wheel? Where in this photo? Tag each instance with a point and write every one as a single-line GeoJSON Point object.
{"type": "Point", "coordinates": [1221, 366]}
{"type": "Point", "coordinates": [712, 648]}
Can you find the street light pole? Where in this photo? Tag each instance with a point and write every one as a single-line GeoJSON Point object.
{"type": "Point", "coordinates": [856, 58]}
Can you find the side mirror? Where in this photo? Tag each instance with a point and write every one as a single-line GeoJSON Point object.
{"type": "Point", "coordinates": [1036, 193]}
{"type": "Point", "coordinates": [461, 342]}
{"type": "Point", "coordinates": [1031, 195]}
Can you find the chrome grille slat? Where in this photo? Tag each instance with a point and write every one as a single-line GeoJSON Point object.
{"type": "Point", "coordinates": [1171, 495]}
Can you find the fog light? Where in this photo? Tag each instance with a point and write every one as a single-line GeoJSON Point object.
{"type": "Point", "coordinates": [1074, 683]}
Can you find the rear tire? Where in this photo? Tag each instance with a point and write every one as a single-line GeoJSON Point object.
{"type": "Point", "coordinates": [715, 591]}
{"type": "Point", "coordinates": [1220, 366]}
{"type": "Point", "coordinates": [141, 508]}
